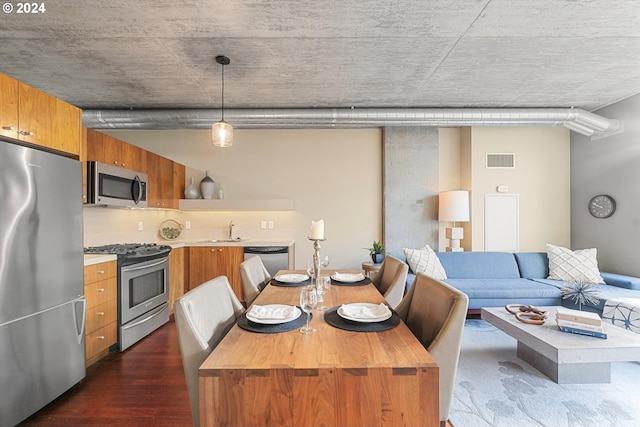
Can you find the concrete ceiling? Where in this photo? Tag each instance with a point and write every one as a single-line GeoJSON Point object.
{"type": "Point", "coordinates": [299, 54]}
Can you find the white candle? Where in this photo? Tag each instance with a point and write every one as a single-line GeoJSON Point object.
{"type": "Point", "coordinates": [317, 230]}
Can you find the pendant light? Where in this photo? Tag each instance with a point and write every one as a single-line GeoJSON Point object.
{"type": "Point", "coordinates": [222, 132]}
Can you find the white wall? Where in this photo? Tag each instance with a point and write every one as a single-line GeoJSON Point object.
{"type": "Point", "coordinates": [330, 174]}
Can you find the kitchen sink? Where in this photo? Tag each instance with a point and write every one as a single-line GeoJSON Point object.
{"type": "Point", "coordinates": [238, 239]}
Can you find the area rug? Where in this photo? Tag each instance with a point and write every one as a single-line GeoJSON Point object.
{"type": "Point", "coordinates": [496, 388]}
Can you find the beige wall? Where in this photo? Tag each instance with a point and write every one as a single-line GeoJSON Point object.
{"type": "Point", "coordinates": [336, 175]}
{"type": "Point", "coordinates": [449, 173]}
{"type": "Point", "coordinates": [330, 174]}
{"type": "Point", "coordinates": [540, 178]}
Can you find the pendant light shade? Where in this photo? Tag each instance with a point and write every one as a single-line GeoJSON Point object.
{"type": "Point", "coordinates": [222, 132]}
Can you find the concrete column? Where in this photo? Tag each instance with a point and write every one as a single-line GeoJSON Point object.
{"type": "Point", "coordinates": [410, 188]}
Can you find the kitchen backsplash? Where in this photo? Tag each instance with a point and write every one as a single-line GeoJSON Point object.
{"type": "Point", "coordinates": [107, 225]}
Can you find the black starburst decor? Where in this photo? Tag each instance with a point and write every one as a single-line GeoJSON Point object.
{"type": "Point", "coordinates": [581, 293]}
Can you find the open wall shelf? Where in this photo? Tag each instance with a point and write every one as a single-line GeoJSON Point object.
{"type": "Point", "coordinates": [237, 205]}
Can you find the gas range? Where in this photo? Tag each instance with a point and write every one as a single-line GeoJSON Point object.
{"type": "Point", "coordinates": [143, 288]}
{"type": "Point", "coordinates": [135, 252]}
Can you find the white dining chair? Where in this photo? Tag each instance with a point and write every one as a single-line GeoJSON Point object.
{"type": "Point", "coordinates": [435, 312]}
{"type": "Point", "coordinates": [254, 277]}
{"type": "Point", "coordinates": [203, 317]}
{"type": "Point", "coordinates": [391, 280]}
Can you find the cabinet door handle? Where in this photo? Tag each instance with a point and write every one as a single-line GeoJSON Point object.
{"type": "Point", "coordinates": [26, 132]}
{"type": "Point", "coordinates": [8, 127]}
{"type": "Point", "coordinates": [101, 271]}
{"type": "Point", "coordinates": [100, 337]}
{"type": "Point", "coordinates": [100, 313]}
{"type": "Point", "coordinates": [100, 289]}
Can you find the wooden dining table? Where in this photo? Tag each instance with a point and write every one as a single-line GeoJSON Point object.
{"type": "Point", "coordinates": [333, 377]}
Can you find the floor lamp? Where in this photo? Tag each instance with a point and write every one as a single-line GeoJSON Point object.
{"type": "Point", "coordinates": [453, 206]}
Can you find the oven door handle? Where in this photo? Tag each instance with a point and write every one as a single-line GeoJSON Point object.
{"type": "Point", "coordinates": [159, 311]}
{"type": "Point", "coordinates": [143, 266]}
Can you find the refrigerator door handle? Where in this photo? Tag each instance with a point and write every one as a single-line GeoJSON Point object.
{"type": "Point", "coordinates": [80, 328]}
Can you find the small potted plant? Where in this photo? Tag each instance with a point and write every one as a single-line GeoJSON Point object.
{"type": "Point", "coordinates": [377, 252]}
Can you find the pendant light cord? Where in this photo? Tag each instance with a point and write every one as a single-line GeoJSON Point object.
{"type": "Point", "coordinates": [223, 92]}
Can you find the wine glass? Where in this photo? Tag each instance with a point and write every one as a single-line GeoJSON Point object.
{"type": "Point", "coordinates": [308, 301]}
{"type": "Point", "coordinates": [325, 261]}
{"type": "Point", "coordinates": [310, 269]}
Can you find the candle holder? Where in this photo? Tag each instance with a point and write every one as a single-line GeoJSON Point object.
{"type": "Point", "coordinates": [316, 279]}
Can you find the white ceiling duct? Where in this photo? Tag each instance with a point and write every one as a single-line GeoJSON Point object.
{"type": "Point", "coordinates": [578, 120]}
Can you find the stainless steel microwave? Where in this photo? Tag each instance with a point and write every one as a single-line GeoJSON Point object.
{"type": "Point", "coordinates": [110, 185]}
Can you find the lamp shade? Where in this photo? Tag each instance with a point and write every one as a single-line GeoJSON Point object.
{"type": "Point", "coordinates": [222, 134]}
{"type": "Point", "coordinates": [453, 206]}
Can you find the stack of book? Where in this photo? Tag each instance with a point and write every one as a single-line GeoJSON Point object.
{"type": "Point", "coordinates": [580, 322]}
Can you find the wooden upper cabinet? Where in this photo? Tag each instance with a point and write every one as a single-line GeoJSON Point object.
{"type": "Point", "coordinates": [178, 184]}
{"type": "Point", "coordinates": [8, 107]}
{"type": "Point", "coordinates": [165, 178]}
{"type": "Point", "coordinates": [40, 119]}
{"type": "Point", "coordinates": [104, 148]}
{"type": "Point", "coordinates": [160, 183]}
{"type": "Point", "coordinates": [136, 157]}
{"type": "Point", "coordinates": [83, 162]}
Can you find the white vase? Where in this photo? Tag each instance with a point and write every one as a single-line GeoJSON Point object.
{"type": "Point", "coordinates": [207, 186]}
{"type": "Point", "coordinates": [192, 191]}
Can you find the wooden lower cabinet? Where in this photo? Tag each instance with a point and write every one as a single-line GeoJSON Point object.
{"type": "Point", "coordinates": [100, 290]}
{"type": "Point", "coordinates": [207, 262]}
{"type": "Point", "coordinates": [176, 275]}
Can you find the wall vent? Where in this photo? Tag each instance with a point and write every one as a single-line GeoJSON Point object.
{"type": "Point", "coordinates": [501, 160]}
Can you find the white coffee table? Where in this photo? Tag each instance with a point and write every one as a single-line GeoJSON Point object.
{"type": "Point", "coordinates": [566, 358]}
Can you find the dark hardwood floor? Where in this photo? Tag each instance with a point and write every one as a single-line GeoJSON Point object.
{"type": "Point", "coordinates": [144, 386]}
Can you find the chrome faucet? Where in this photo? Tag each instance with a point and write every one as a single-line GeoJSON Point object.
{"type": "Point", "coordinates": [231, 225]}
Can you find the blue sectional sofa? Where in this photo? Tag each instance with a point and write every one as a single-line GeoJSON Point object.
{"type": "Point", "coordinates": [494, 279]}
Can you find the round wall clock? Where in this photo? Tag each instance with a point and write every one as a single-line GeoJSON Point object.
{"type": "Point", "coordinates": [602, 206]}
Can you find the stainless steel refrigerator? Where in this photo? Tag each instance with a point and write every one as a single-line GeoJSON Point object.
{"type": "Point", "coordinates": [42, 305]}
